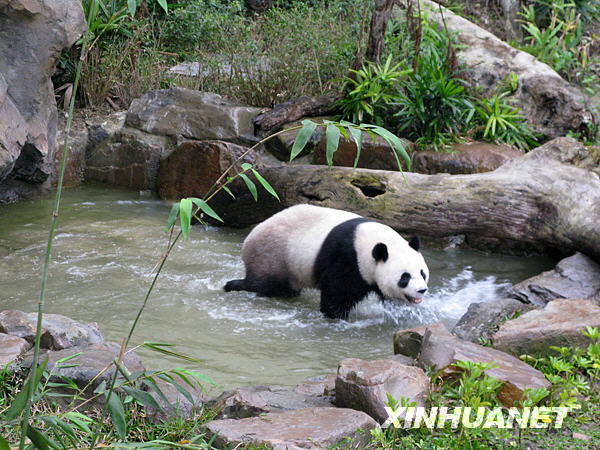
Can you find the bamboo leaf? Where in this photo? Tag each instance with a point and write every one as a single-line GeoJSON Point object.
{"type": "Point", "coordinates": [142, 397]}
{"type": "Point", "coordinates": [132, 6]}
{"type": "Point", "coordinates": [250, 185]}
{"type": "Point", "coordinates": [4, 444]}
{"type": "Point", "coordinates": [163, 4]}
{"type": "Point", "coordinates": [395, 142]}
{"type": "Point", "coordinates": [357, 137]}
{"type": "Point", "coordinates": [152, 385]}
{"type": "Point", "coordinates": [173, 216]}
{"type": "Point", "coordinates": [246, 166]}
{"type": "Point", "coordinates": [117, 414]}
{"type": "Point", "coordinates": [206, 209]}
{"type": "Point", "coordinates": [302, 138]}
{"type": "Point", "coordinates": [226, 189]}
{"type": "Point", "coordinates": [185, 216]}
{"type": "Point", "coordinates": [158, 347]}
{"type": "Point", "coordinates": [332, 135]}
{"type": "Point", "coordinates": [265, 184]}
{"type": "Point", "coordinates": [40, 440]}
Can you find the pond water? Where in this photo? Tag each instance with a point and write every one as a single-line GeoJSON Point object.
{"type": "Point", "coordinates": [109, 241]}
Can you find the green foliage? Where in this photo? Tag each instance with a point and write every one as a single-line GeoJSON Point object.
{"type": "Point", "coordinates": [434, 106]}
{"type": "Point", "coordinates": [502, 123]}
{"type": "Point", "coordinates": [372, 89]}
{"type": "Point", "coordinates": [555, 34]}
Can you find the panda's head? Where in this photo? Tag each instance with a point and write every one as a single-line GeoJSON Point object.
{"type": "Point", "coordinates": [400, 271]}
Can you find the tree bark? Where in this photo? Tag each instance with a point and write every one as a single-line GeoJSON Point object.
{"type": "Point", "coordinates": [293, 110]}
{"type": "Point", "coordinates": [379, 21]}
{"type": "Point", "coordinates": [537, 199]}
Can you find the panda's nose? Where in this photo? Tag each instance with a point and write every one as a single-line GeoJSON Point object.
{"type": "Point", "coordinates": [422, 291]}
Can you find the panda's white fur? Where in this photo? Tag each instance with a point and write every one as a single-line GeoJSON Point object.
{"type": "Point", "coordinates": [285, 249]}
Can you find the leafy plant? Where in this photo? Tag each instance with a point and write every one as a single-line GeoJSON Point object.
{"type": "Point", "coordinates": [502, 123]}
{"type": "Point", "coordinates": [371, 91]}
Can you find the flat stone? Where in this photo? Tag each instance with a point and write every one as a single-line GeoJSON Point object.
{"type": "Point", "coordinates": [193, 115]}
{"type": "Point", "coordinates": [577, 276]}
{"type": "Point", "coordinates": [365, 385]}
{"type": "Point", "coordinates": [559, 324]}
{"type": "Point", "coordinates": [376, 154]}
{"type": "Point", "coordinates": [323, 386]}
{"type": "Point", "coordinates": [441, 351]}
{"type": "Point", "coordinates": [465, 158]}
{"type": "Point", "coordinates": [11, 347]}
{"type": "Point", "coordinates": [58, 332]}
{"type": "Point", "coordinates": [255, 400]}
{"type": "Point", "coordinates": [408, 342]}
{"type": "Point", "coordinates": [312, 428]}
{"type": "Point", "coordinates": [89, 365]}
{"type": "Point", "coordinates": [194, 166]}
{"type": "Point", "coordinates": [482, 319]}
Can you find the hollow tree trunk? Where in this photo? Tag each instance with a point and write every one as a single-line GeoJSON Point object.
{"type": "Point", "coordinates": [536, 199]}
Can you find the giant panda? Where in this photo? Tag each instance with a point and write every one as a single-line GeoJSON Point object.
{"type": "Point", "coordinates": [343, 254]}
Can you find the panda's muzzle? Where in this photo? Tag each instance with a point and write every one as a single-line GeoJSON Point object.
{"type": "Point", "coordinates": [413, 299]}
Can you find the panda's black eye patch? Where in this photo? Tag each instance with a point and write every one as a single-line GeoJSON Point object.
{"type": "Point", "coordinates": [404, 280]}
{"type": "Point", "coordinates": [423, 275]}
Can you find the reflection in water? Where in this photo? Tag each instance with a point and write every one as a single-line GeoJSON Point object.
{"type": "Point", "coordinates": [109, 241]}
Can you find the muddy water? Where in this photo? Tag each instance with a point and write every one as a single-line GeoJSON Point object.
{"type": "Point", "coordinates": [109, 241]}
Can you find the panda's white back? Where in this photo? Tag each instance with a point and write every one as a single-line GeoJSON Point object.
{"type": "Point", "coordinates": [293, 238]}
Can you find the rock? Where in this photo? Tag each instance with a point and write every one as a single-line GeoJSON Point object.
{"type": "Point", "coordinates": [255, 400]}
{"type": "Point", "coordinates": [471, 157]}
{"type": "Point", "coordinates": [33, 35]}
{"type": "Point", "coordinates": [323, 386]}
{"type": "Point", "coordinates": [281, 145]}
{"type": "Point", "coordinates": [11, 347]}
{"type": "Point", "coordinates": [78, 142]}
{"type": "Point", "coordinates": [482, 319]}
{"type": "Point", "coordinates": [193, 167]}
{"type": "Point", "coordinates": [365, 385]}
{"type": "Point", "coordinates": [559, 324]}
{"type": "Point", "coordinates": [58, 332]}
{"type": "Point", "coordinates": [577, 276]}
{"type": "Point", "coordinates": [192, 115]}
{"type": "Point", "coordinates": [549, 103]}
{"type": "Point", "coordinates": [408, 342]}
{"type": "Point", "coordinates": [373, 155]}
{"type": "Point", "coordinates": [128, 159]}
{"type": "Point", "coordinates": [441, 351]}
{"type": "Point", "coordinates": [178, 405]}
{"type": "Point", "coordinates": [312, 428]}
{"type": "Point", "coordinates": [90, 367]}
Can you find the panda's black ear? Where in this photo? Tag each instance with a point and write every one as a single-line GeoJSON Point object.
{"type": "Point", "coordinates": [415, 243]}
{"type": "Point", "coordinates": [380, 252]}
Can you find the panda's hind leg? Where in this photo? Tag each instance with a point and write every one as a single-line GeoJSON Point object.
{"type": "Point", "coordinates": [267, 287]}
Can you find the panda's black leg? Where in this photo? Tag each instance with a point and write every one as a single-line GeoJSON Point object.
{"type": "Point", "coordinates": [338, 299]}
{"type": "Point", "coordinates": [267, 287]}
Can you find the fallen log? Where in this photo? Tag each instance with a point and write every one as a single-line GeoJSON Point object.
{"type": "Point", "coordinates": [541, 198]}
{"type": "Point", "coordinates": [293, 110]}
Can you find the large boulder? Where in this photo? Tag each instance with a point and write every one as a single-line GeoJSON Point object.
{"type": "Point", "coordinates": [408, 342]}
{"type": "Point", "coordinates": [281, 145]}
{"type": "Point", "coordinates": [577, 276]}
{"type": "Point", "coordinates": [441, 351]}
{"type": "Point", "coordinates": [559, 324]}
{"type": "Point", "coordinates": [470, 157]}
{"type": "Point", "coordinates": [58, 332]}
{"type": "Point", "coordinates": [194, 166]}
{"type": "Point", "coordinates": [33, 33]}
{"type": "Point", "coordinates": [255, 400]}
{"type": "Point", "coordinates": [482, 319]}
{"type": "Point", "coordinates": [93, 364]}
{"type": "Point", "coordinates": [549, 103]}
{"type": "Point", "coordinates": [128, 159]}
{"type": "Point", "coordinates": [190, 114]}
{"type": "Point", "coordinates": [322, 386]}
{"type": "Point", "coordinates": [365, 385]}
{"type": "Point", "coordinates": [312, 428]}
{"type": "Point", "coordinates": [11, 347]}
